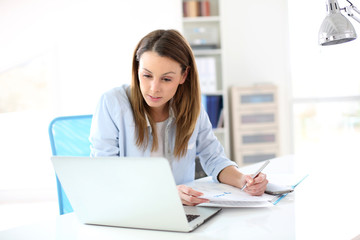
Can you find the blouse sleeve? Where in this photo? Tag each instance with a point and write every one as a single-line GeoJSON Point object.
{"type": "Point", "coordinates": [104, 132]}
{"type": "Point", "coordinates": [210, 151]}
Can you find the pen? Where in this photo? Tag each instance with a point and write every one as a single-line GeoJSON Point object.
{"type": "Point", "coordinates": [257, 173]}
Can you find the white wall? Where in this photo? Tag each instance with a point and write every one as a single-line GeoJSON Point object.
{"type": "Point", "coordinates": [92, 42]}
{"type": "Point", "coordinates": [95, 51]}
{"type": "Point", "coordinates": [256, 50]}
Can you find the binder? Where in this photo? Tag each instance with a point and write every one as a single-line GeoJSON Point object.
{"type": "Point", "coordinates": [214, 105]}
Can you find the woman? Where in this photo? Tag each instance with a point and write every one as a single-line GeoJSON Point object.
{"type": "Point", "coordinates": [160, 114]}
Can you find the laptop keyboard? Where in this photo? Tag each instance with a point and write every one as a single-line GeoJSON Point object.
{"type": "Point", "coordinates": [191, 217]}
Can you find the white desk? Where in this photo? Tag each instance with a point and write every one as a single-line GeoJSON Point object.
{"type": "Point", "coordinates": [308, 216]}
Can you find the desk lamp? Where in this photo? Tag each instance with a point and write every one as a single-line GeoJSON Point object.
{"type": "Point", "coordinates": [336, 28]}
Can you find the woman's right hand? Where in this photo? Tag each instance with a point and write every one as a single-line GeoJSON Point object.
{"type": "Point", "coordinates": [190, 196]}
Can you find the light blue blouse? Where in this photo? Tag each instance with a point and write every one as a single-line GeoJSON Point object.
{"type": "Point", "coordinates": [113, 134]}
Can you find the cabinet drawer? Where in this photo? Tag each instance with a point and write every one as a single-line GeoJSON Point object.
{"type": "Point", "coordinates": [254, 139]}
{"type": "Point", "coordinates": [260, 118]}
{"type": "Point", "coordinates": [253, 97]}
{"type": "Point", "coordinates": [256, 155]}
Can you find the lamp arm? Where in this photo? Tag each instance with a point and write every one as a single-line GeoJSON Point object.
{"type": "Point", "coordinates": [349, 11]}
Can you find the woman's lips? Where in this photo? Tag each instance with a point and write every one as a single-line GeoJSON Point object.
{"type": "Point", "coordinates": [154, 98]}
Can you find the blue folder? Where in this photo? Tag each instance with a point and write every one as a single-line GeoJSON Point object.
{"type": "Point", "coordinates": [214, 104]}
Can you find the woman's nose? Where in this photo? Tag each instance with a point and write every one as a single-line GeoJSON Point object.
{"type": "Point", "coordinates": [155, 85]}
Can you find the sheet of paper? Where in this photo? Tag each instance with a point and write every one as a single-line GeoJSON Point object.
{"type": "Point", "coordinates": [223, 195]}
{"type": "Point", "coordinates": [236, 204]}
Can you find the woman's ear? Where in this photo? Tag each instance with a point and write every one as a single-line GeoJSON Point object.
{"type": "Point", "coordinates": [184, 75]}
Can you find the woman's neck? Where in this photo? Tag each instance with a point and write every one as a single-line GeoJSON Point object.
{"type": "Point", "coordinates": [160, 114]}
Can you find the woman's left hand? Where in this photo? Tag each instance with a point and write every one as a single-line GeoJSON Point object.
{"type": "Point", "coordinates": [256, 186]}
{"type": "Point", "coordinates": [190, 196]}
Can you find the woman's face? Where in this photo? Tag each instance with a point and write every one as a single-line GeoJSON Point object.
{"type": "Point", "coordinates": [159, 79]}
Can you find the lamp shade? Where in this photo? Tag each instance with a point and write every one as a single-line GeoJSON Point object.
{"type": "Point", "coordinates": [336, 28]}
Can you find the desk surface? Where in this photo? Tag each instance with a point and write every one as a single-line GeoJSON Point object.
{"type": "Point", "coordinates": [311, 212]}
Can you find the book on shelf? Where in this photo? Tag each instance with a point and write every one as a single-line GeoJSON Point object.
{"type": "Point", "coordinates": [196, 8]}
{"type": "Point", "coordinates": [205, 8]}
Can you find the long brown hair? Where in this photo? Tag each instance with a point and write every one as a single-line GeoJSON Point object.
{"type": "Point", "coordinates": [186, 101]}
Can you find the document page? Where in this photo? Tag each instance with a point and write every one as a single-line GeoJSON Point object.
{"type": "Point", "coordinates": [223, 195]}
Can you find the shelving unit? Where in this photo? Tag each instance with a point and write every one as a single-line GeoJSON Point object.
{"type": "Point", "coordinates": [202, 30]}
{"type": "Point", "coordinates": [255, 130]}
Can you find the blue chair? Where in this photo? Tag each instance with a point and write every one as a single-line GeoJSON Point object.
{"type": "Point", "coordinates": [69, 136]}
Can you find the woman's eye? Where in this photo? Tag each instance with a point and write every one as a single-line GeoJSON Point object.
{"type": "Point", "coordinates": [167, 79]}
{"type": "Point", "coordinates": [147, 76]}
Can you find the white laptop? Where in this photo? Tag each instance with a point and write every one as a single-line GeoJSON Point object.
{"type": "Point", "coordinates": [127, 192]}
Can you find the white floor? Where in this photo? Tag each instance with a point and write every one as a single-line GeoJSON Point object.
{"type": "Point", "coordinates": [23, 213]}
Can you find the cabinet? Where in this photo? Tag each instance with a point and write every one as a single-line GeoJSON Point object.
{"type": "Point", "coordinates": [201, 28]}
{"type": "Point", "coordinates": [254, 121]}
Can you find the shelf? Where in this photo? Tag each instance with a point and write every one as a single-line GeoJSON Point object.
{"type": "Point", "coordinates": [204, 36]}
{"type": "Point", "coordinates": [201, 19]}
{"type": "Point", "coordinates": [213, 93]}
{"type": "Point", "coordinates": [199, 52]}
{"type": "Point", "coordinates": [219, 131]}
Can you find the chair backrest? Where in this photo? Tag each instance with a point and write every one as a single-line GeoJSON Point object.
{"type": "Point", "coordinates": [69, 136]}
